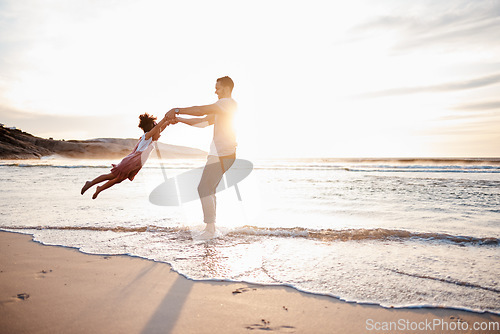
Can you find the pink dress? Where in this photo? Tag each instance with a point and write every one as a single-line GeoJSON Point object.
{"type": "Point", "coordinates": [132, 163]}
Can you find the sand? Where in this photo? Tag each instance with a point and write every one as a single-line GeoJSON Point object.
{"type": "Point", "coordinates": [50, 289]}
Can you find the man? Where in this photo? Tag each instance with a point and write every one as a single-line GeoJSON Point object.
{"type": "Point", "coordinates": [223, 148]}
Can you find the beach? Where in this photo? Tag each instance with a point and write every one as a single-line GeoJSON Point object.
{"type": "Point", "coordinates": [72, 292]}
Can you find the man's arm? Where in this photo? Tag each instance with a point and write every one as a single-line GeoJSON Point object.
{"type": "Point", "coordinates": [198, 122]}
{"type": "Point", "coordinates": [209, 109]}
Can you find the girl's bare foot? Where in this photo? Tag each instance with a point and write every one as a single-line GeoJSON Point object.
{"type": "Point", "coordinates": [98, 190]}
{"type": "Point", "coordinates": [86, 187]}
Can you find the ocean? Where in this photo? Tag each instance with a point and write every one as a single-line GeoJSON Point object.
{"type": "Point", "coordinates": [398, 233]}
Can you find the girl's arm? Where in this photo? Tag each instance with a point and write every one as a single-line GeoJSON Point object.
{"type": "Point", "coordinates": [174, 121]}
{"type": "Point", "coordinates": [158, 128]}
{"type": "Point", "coordinates": [198, 122]}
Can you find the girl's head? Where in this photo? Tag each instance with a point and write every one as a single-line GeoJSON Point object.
{"type": "Point", "coordinates": [147, 122]}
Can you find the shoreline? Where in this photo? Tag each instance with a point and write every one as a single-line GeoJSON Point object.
{"type": "Point", "coordinates": [71, 291]}
{"type": "Point", "coordinates": [215, 280]}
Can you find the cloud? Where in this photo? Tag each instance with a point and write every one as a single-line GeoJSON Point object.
{"type": "Point", "coordinates": [477, 34]}
{"type": "Point", "coordinates": [485, 117]}
{"type": "Point", "coordinates": [446, 87]}
{"type": "Point", "coordinates": [480, 106]}
{"type": "Point", "coordinates": [463, 24]}
{"type": "Point", "coordinates": [484, 123]}
{"type": "Point", "coordinates": [478, 115]}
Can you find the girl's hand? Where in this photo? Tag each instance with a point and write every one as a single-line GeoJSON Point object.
{"type": "Point", "coordinates": [170, 115]}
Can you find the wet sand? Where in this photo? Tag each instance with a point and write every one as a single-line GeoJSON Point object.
{"type": "Point", "coordinates": [48, 289]}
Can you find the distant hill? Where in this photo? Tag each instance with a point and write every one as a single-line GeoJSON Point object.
{"type": "Point", "coordinates": [17, 144]}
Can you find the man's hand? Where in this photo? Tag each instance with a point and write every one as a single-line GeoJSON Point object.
{"type": "Point", "coordinates": [170, 115]}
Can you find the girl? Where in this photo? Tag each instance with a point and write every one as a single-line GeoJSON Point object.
{"type": "Point", "coordinates": [132, 163]}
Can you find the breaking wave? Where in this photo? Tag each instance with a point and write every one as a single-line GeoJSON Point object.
{"type": "Point", "coordinates": [328, 235]}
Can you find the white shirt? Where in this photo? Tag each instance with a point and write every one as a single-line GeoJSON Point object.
{"type": "Point", "coordinates": [145, 148]}
{"type": "Point", "coordinates": [224, 142]}
{"type": "Point", "coordinates": [143, 143]}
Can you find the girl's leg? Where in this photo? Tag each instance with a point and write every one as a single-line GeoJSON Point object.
{"type": "Point", "coordinates": [97, 180]}
{"type": "Point", "coordinates": [105, 186]}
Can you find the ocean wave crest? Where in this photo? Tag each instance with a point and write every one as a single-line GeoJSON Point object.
{"type": "Point", "coordinates": [327, 235]}
{"type": "Point", "coordinates": [365, 166]}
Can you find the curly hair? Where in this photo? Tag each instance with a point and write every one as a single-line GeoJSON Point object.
{"type": "Point", "coordinates": [147, 122]}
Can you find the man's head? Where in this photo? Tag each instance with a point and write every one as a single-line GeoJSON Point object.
{"type": "Point", "coordinates": [224, 87]}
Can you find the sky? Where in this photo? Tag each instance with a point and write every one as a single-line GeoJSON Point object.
{"type": "Point", "coordinates": [358, 78]}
